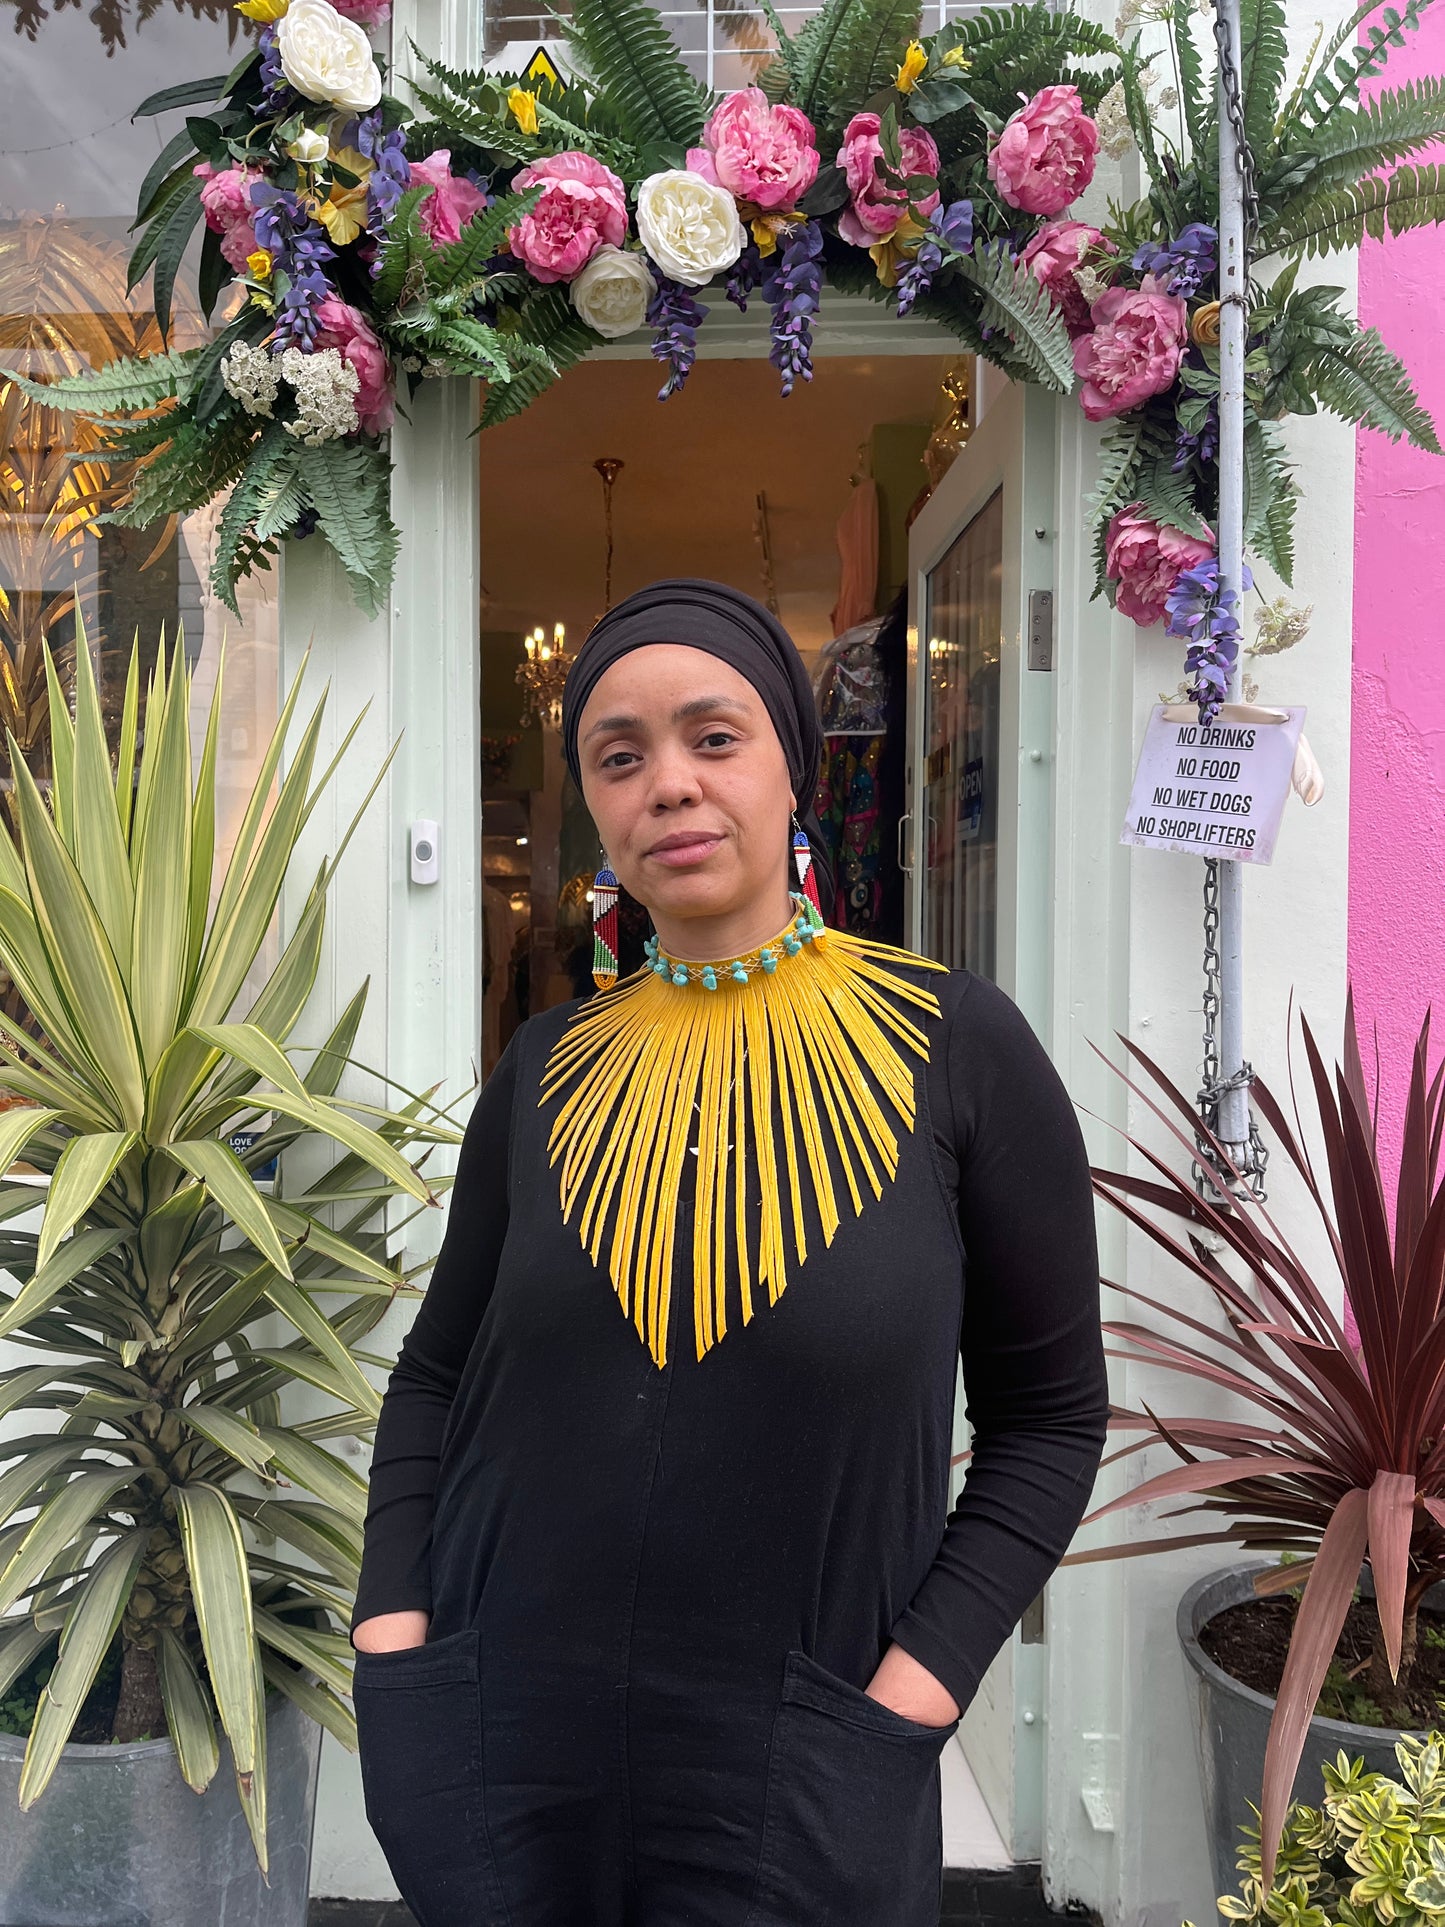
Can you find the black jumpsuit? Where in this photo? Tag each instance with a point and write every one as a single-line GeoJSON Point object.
{"type": "Point", "coordinates": [657, 1596]}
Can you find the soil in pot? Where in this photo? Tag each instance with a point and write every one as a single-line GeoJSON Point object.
{"type": "Point", "coordinates": [1250, 1643]}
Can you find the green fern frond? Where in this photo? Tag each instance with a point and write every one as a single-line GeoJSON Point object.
{"type": "Point", "coordinates": [1389, 128]}
{"type": "Point", "coordinates": [188, 472]}
{"type": "Point", "coordinates": [1141, 124]}
{"type": "Point", "coordinates": [349, 484]}
{"type": "Point", "coordinates": [122, 387]}
{"type": "Point", "coordinates": [1016, 303]}
{"type": "Point", "coordinates": [1343, 66]}
{"type": "Point", "coordinates": [402, 259]}
{"type": "Point", "coordinates": [1120, 449]}
{"type": "Point", "coordinates": [1194, 101]}
{"type": "Point", "coordinates": [873, 39]}
{"type": "Point", "coordinates": [556, 335]}
{"type": "Point", "coordinates": [265, 476]}
{"type": "Point", "coordinates": [1264, 52]}
{"type": "Point", "coordinates": [809, 56]}
{"type": "Point", "coordinates": [1362, 381]}
{"type": "Point", "coordinates": [1017, 50]}
{"type": "Point", "coordinates": [1269, 497]}
{"type": "Point", "coordinates": [632, 59]}
{"type": "Point", "coordinates": [473, 348]}
{"type": "Point", "coordinates": [453, 271]}
{"type": "Point", "coordinates": [1274, 540]}
{"type": "Point", "coordinates": [1411, 197]}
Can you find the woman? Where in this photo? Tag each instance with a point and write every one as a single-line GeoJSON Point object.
{"type": "Point", "coordinates": [663, 1617]}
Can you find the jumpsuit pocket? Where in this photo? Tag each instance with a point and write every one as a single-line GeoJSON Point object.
{"type": "Point", "coordinates": [419, 1735]}
{"type": "Point", "coordinates": [852, 1832]}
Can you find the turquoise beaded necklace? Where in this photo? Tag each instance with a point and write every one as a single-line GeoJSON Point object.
{"type": "Point", "coordinates": [806, 927]}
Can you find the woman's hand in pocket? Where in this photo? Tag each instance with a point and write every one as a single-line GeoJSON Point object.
{"type": "Point", "coordinates": [391, 1632]}
{"type": "Point", "coordinates": [907, 1688]}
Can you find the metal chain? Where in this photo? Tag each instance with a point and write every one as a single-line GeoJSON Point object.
{"type": "Point", "coordinates": [1254, 1157]}
{"type": "Point", "coordinates": [1234, 107]}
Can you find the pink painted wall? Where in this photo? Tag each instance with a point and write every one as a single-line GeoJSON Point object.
{"type": "Point", "coordinates": [1397, 760]}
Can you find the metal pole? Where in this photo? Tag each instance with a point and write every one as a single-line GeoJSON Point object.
{"type": "Point", "coordinates": [1233, 1125]}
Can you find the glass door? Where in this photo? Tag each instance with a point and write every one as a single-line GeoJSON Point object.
{"type": "Point", "coordinates": [977, 846]}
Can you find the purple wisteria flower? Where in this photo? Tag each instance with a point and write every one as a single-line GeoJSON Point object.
{"type": "Point", "coordinates": [390, 176]}
{"type": "Point", "coordinates": [298, 248]}
{"type": "Point", "coordinates": [277, 96]}
{"type": "Point", "coordinates": [792, 290]}
{"type": "Point", "coordinates": [676, 314]}
{"type": "Point", "coordinates": [1204, 444]}
{"type": "Point", "coordinates": [1185, 264]}
{"type": "Point", "coordinates": [745, 274]}
{"type": "Point", "coordinates": [949, 228]}
{"type": "Point", "coordinates": [1207, 618]}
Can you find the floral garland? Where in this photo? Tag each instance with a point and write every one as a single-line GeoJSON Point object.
{"type": "Point", "coordinates": [520, 225]}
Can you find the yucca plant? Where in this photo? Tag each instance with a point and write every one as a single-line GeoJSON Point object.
{"type": "Point", "coordinates": [1339, 1454]}
{"type": "Point", "coordinates": [163, 1499]}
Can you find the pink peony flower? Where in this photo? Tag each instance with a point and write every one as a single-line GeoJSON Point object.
{"type": "Point", "coordinates": [343, 328]}
{"type": "Point", "coordinates": [1134, 350]}
{"type": "Point", "coordinates": [366, 13]}
{"type": "Point", "coordinates": [238, 244]}
{"type": "Point", "coordinates": [584, 206]}
{"type": "Point", "coordinates": [453, 202]}
{"type": "Point", "coordinates": [1144, 558]}
{"type": "Point", "coordinates": [1053, 258]}
{"type": "Point", "coordinates": [1044, 158]}
{"type": "Point", "coordinates": [225, 195]}
{"type": "Point", "coordinates": [758, 152]}
{"type": "Point", "coordinates": [876, 208]}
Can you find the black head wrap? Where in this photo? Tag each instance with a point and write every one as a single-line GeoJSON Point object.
{"type": "Point", "coordinates": [729, 624]}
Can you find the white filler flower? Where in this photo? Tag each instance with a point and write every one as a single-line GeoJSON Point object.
{"type": "Point", "coordinates": [250, 374]}
{"type": "Point", "coordinates": [690, 228]}
{"type": "Point", "coordinates": [612, 291]}
{"type": "Point", "coordinates": [325, 387]}
{"type": "Point", "coordinates": [327, 58]}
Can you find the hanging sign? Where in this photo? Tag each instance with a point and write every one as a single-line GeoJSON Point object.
{"type": "Point", "coordinates": [1213, 790]}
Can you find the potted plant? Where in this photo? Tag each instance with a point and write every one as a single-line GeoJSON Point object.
{"type": "Point", "coordinates": [1371, 1854]}
{"type": "Point", "coordinates": [1335, 1456]}
{"type": "Point", "coordinates": [177, 1554]}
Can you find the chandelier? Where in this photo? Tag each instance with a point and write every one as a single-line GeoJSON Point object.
{"type": "Point", "coordinates": [543, 671]}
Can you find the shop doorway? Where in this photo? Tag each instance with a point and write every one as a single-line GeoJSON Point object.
{"type": "Point", "coordinates": [806, 503]}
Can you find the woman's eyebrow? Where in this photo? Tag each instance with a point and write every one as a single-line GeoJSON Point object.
{"type": "Point", "coordinates": [612, 722]}
{"type": "Point", "coordinates": [707, 706]}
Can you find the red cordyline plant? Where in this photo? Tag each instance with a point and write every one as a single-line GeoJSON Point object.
{"type": "Point", "coordinates": [1342, 1457]}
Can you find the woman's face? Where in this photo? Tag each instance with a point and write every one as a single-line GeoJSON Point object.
{"type": "Point", "coordinates": [687, 783]}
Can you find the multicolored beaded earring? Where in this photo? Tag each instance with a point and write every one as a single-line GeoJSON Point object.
{"type": "Point", "coordinates": [604, 927]}
{"type": "Point", "coordinates": [803, 859]}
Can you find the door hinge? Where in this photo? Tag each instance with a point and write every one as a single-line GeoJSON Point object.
{"type": "Point", "coordinates": [1099, 1786]}
{"type": "Point", "coordinates": [1041, 629]}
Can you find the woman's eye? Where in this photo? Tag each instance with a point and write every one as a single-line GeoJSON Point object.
{"type": "Point", "coordinates": [619, 759]}
{"type": "Point", "coordinates": [718, 739]}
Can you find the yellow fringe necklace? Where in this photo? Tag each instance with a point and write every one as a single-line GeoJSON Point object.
{"type": "Point", "coordinates": [800, 1041]}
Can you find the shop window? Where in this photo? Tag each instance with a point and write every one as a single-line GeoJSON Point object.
{"type": "Point", "coordinates": [70, 160]}
{"type": "Point", "coordinates": [726, 43]}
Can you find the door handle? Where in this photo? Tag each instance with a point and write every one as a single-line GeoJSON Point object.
{"type": "Point", "coordinates": [907, 817]}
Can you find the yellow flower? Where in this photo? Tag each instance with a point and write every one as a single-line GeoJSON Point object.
{"type": "Point", "coordinates": [767, 227]}
{"type": "Point", "coordinates": [343, 214]}
{"type": "Point", "coordinates": [258, 265]}
{"type": "Point", "coordinates": [889, 255]}
{"type": "Point", "coordinates": [354, 163]}
{"type": "Point", "coordinates": [914, 62]}
{"type": "Point", "coordinates": [954, 57]}
{"type": "Point", "coordinates": [523, 109]}
{"type": "Point", "coordinates": [1204, 325]}
{"type": "Point", "coordinates": [263, 10]}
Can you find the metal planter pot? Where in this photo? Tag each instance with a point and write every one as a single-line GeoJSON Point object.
{"type": "Point", "coordinates": [1232, 1724]}
{"type": "Point", "coordinates": [119, 1840]}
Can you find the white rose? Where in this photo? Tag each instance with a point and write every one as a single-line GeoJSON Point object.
{"type": "Point", "coordinates": [327, 58]}
{"type": "Point", "coordinates": [612, 291]}
{"type": "Point", "coordinates": [309, 146]}
{"type": "Point", "coordinates": [690, 227]}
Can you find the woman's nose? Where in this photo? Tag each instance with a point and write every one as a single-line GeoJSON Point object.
{"type": "Point", "coordinates": [674, 781]}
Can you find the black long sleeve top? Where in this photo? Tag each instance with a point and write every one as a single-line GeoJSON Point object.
{"type": "Point", "coordinates": [536, 1473]}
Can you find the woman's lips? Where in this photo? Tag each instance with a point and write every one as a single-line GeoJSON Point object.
{"type": "Point", "coordinates": [678, 855]}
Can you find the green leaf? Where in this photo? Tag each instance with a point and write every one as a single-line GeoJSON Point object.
{"type": "Point", "coordinates": [217, 1167]}
{"type": "Point", "coordinates": [349, 484]}
{"type": "Point", "coordinates": [318, 1471]}
{"type": "Point", "coordinates": [1264, 51]}
{"type": "Point", "coordinates": [1014, 302]}
{"type": "Point", "coordinates": [315, 1701]}
{"type": "Point", "coordinates": [19, 1645]}
{"type": "Point", "coordinates": [1339, 220]}
{"type": "Point", "coordinates": [221, 1587]}
{"type": "Point", "coordinates": [90, 1626]}
{"type": "Point", "coordinates": [190, 1719]}
{"type": "Point", "coordinates": [53, 1528]}
{"type": "Point", "coordinates": [235, 1436]}
{"type": "Point", "coordinates": [634, 61]}
{"type": "Point", "coordinates": [17, 1127]}
{"type": "Point", "coordinates": [77, 1254]}
{"type": "Point", "coordinates": [401, 250]}
{"type": "Point", "coordinates": [187, 93]}
{"type": "Point", "coordinates": [86, 1166]}
{"type": "Point", "coordinates": [176, 230]}
{"type": "Point", "coordinates": [317, 1531]}
{"type": "Point", "coordinates": [1362, 381]}
{"type": "Point", "coordinates": [160, 856]}
{"type": "Point", "coordinates": [325, 1115]}
{"type": "Point", "coordinates": [180, 147]}
{"type": "Point", "coordinates": [320, 1653]}
{"type": "Point", "coordinates": [250, 1045]}
{"type": "Point", "coordinates": [455, 269]}
{"type": "Point", "coordinates": [126, 385]}
{"type": "Point", "coordinates": [298, 1310]}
